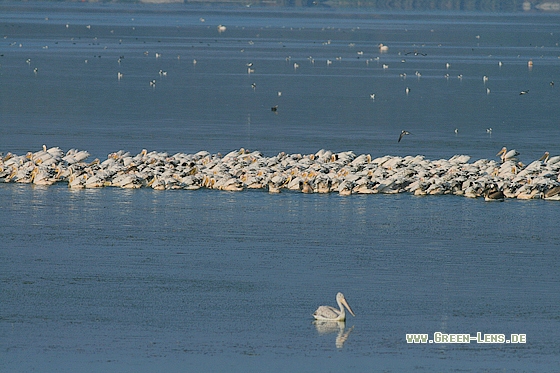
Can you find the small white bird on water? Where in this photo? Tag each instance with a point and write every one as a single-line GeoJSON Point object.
{"type": "Point", "coordinates": [328, 313]}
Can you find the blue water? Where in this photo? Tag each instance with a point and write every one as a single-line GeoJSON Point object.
{"type": "Point", "coordinates": [142, 280]}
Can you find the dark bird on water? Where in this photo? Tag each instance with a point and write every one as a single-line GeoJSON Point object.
{"type": "Point", "coordinates": [274, 108]}
{"type": "Point", "coordinates": [403, 132]}
{"type": "Point", "coordinates": [494, 195]}
{"type": "Point", "coordinates": [416, 53]}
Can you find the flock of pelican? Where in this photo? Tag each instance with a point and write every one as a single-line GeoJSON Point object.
{"type": "Point", "coordinates": [323, 172]}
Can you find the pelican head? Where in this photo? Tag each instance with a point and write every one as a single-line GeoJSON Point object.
{"type": "Point", "coordinates": [341, 300]}
{"type": "Point", "coordinates": [545, 157]}
{"type": "Point", "coordinates": [7, 157]}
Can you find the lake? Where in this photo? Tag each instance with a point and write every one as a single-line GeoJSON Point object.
{"type": "Point", "coordinates": [141, 280]}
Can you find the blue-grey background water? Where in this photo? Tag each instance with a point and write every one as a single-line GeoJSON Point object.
{"type": "Point", "coordinates": [144, 280]}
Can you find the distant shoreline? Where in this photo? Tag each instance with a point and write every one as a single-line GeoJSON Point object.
{"type": "Point", "coordinates": [497, 6]}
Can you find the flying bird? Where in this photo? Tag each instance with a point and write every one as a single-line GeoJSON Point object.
{"type": "Point", "coordinates": [403, 132]}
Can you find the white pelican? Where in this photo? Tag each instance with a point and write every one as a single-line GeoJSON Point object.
{"type": "Point", "coordinates": [507, 156]}
{"type": "Point", "coordinates": [552, 193]}
{"type": "Point", "coordinates": [329, 313]}
{"type": "Point", "coordinates": [306, 187]}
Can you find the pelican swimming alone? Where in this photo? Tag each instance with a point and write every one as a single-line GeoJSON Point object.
{"type": "Point", "coordinates": [328, 313]}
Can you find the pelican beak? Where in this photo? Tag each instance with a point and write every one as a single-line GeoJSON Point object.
{"type": "Point", "coordinates": [343, 301]}
{"type": "Point", "coordinates": [544, 157]}
{"type": "Point", "coordinates": [502, 151]}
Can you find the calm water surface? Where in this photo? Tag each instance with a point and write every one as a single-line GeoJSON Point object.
{"type": "Point", "coordinates": [141, 280]}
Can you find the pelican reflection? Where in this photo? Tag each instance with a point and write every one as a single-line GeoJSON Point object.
{"type": "Point", "coordinates": [328, 327]}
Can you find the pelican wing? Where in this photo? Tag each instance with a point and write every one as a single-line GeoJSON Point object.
{"type": "Point", "coordinates": [326, 313]}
